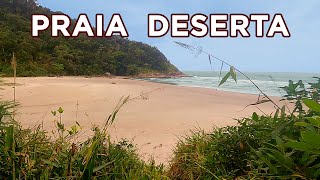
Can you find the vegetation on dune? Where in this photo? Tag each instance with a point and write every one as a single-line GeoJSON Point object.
{"type": "Point", "coordinates": [70, 56]}
{"type": "Point", "coordinates": [283, 145]}
{"type": "Point", "coordinates": [34, 154]}
{"type": "Point", "coordinates": [280, 146]}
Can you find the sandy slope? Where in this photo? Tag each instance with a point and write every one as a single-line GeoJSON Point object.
{"type": "Point", "coordinates": [154, 121]}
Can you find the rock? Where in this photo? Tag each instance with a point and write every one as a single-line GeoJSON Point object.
{"type": "Point", "coordinates": [107, 74]}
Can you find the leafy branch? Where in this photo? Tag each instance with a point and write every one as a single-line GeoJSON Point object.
{"type": "Point", "coordinates": [232, 73]}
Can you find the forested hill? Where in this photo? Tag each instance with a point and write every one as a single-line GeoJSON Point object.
{"type": "Point", "coordinates": [70, 56]}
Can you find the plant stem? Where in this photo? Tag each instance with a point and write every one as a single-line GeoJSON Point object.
{"type": "Point", "coordinates": [192, 48]}
{"type": "Point", "coordinates": [14, 67]}
{"type": "Point", "coordinates": [264, 94]}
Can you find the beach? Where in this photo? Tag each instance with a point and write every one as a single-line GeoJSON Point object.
{"type": "Point", "coordinates": [155, 118]}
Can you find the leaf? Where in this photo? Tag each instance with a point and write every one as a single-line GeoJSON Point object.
{"type": "Point", "coordinates": [276, 114]}
{"type": "Point", "coordinates": [278, 156]}
{"type": "Point", "coordinates": [311, 138]}
{"type": "Point", "coordinates": [280, 143]}
{"type": "Point", "coordinates": [283, 111]}
{"type": "Point", "coordinates": [298, 175]}
{"type": "Point", "coordinates": [314, 121]}
{"type": "Point", "coordinates": [299, 146]}
{"type": "Point", "coordinates": [89, 153]}
{"type": "Point", "coordinates": [54, 113]}
{"type": "Point", "coordinates": [60, 110]}
{"type": "Point", "coordinates": [317, 173]}
{"type": "Point", "coordinates": [305, 157]}
{"type": "Point", "coordinates": [255, 116]}
{"type": "Point", "coordinates": [60, 126]}
{"type": "Point", "coordinates": [311, 159]}
{"type": "Point", "coordinates": [224, 79]}
{"type": "Point", "coordinates": [88, 161]}
{"type": "Point", "coordinates": [312, 104]}
{"type": "Point", "coordinates": [121, 103]}
{"type": "Point", "coordinates": [98, 168]}
{"type": "Point", "coordinates": [317, 166]}
{"type": "Point", "coordinates": [273, 168]}
{"type": "Point", "coordinates": [301, 124]}
{"type": "Point", "coordinates": [50, 163]}
{"type": "Point", "coordinates": [233, 73]}
{"type": "Point", "coordinates": [9, 137]}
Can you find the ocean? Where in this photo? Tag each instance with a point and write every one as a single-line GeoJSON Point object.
{"type": "Point", "coordinates": [269, 82]}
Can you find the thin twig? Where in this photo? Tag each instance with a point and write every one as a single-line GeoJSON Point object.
{"type": "Point", "coordinates": [121, 103]}
{"type": "Point", "coordinates": [77, 109]}
{"type": "Point", "coordinates": [146, 93]}
{"type": "Point", "coordinates": [14, 67]}
{"type": "Point", "coordinates": [274, 82]}
{"type": "Point", "coordinates": [220, 70]}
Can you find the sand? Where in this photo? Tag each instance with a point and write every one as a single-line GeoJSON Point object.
{"type": "Point", "coordinates": [154, 121]}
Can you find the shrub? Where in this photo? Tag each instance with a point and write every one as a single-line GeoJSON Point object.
{"type": "Point", "coordinates": [223, 153]}
{"type": "Point", "coordinates": [295, 150]}
{"type": "Point", "coordinates": [279, 146]}
{"type": "Point", "coordinates": [296, 92]}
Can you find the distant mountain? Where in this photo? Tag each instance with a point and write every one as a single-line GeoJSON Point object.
{"type": "Point", "coordinates": [70, 56]}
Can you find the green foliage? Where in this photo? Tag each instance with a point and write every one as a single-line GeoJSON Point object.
{"type": "Point", "coordinates": [260, 147]}
{"type": "Point", "coordinates": [5, 109]}
{"type": "Point", "coordinates": [223, 153]}
{"type": "Point", "coordinates": [33, 154]}
{"type": "Point", "coordinates": [232, 73]}
{"type": "Point", "coordinates": [57, 68]}
{"type": "Point", "coordinates": [291, 155]}
{"type": "Point", "coordinates": [69, 56]}
{"type": "Point", "coordinates": [297, 92]}
{"type": "Point", "coordinates": [312, 105]}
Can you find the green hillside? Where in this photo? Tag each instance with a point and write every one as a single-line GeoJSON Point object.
{"type": "Point", "coordinates": [70, 56]}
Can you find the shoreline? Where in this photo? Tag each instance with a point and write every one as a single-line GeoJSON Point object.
{"type": "Point", "coordinates": [173, 84]}
{"type": "Point", "coordinates": [154, 121]}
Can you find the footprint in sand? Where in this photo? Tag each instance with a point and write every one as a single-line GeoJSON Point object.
{"type": "Point", "coordinates": [160, 146]}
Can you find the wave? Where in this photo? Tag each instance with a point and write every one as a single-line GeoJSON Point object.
{"type": "Point", "coordinates": [270, 83]}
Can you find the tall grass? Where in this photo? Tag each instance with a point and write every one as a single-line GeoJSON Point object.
{"type": "Point", "coordinates": [14, 67]}
{"type": "Point", "coordinates": [34, 154]}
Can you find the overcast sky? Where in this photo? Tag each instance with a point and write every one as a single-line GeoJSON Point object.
{"type": "Point", "coordinates": [300, 53]}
